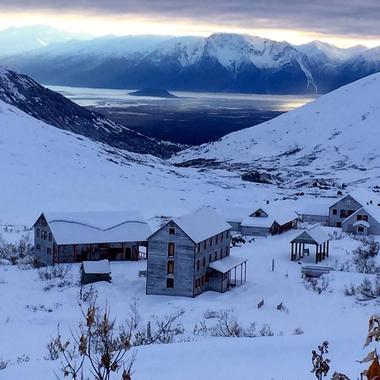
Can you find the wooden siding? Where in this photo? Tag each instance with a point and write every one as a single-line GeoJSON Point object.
{"type": "Point", "coordinates": [374, 225]}
{"type": "Point", "coordinates": [191, 262]}
{"type": "Point", "coordinates": [345, 204]}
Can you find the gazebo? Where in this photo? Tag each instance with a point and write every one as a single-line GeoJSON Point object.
{"type": "Point", "coordinates": [313, 236]}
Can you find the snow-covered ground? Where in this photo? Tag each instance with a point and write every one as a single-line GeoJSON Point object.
{"type": "Point", "coordinates": [29, 316]}
{"type": "Point", "coordinates": [47, 169]}
{"type": "Point", "coordinates": [334, 138]}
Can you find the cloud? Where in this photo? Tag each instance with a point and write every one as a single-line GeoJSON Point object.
{"type": "Point", "coordinates": [358, 18]}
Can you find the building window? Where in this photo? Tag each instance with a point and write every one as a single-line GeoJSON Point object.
{"type": "Point", "coordinates": [359, 217]}
{"type": "Point", "coordinates": [170, 283]}
{"type": "Point", "coordinates": [38, 232]}
{"type": "Point", "coordinates": [198, 264]}
{"type": "Point", "coordinates": [210, 242]}
{"type": "Point", "coordinates": [50, 236]}
{"type": "Point", "coordinates": [48, 251]}
{"type": "Point", "coordinates": [38, 247]}
{"type": "Point", "coordinates": [171, 231]}
{"type": "Point", "coordinates": [198, 248]}
{"type": "Point", "coordinates": [204, 262]}
{"type": "Point", "coordinates": [209, 258]}
{"type": "Point", "coordinates": [226, 251]}
{"type": "Point", "coordinates": [171, 249]}
{"type": "Point", "coordinates": [216, 239]}
{"type": "Point", "coordinates": [360, 229]}
{"type": "Point", "coordinates": [343, 213]}
{"type": "Point", "coordinates": [221, 253]}
{"type": "Point", "coordinates": [339, 224]}
{"type": "Point", "coordinates": [170, 267]}
{"type": "Point", "coordinates": [365, 217]}
{"type": "Point", "coordinates": [335, 211]}
{"type": "Point", "coordinates": [205, 244]}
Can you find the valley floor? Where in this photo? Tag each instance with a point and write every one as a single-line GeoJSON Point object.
{"type": "Point", "coordinates": [30, 314]}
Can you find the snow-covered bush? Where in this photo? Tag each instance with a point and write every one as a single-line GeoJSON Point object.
{"type": "Point", "coordinates": [3, 364]}
{"type": "Point", "coordinates": [298, 331]}
{"type": "Point", "coordinates": [161, 330]}
{"type": "Point", "coordinates": [366, 290]}
{"type": "Point", "coordinates": [319, 285]}
{"type": "Point", "coordinates": [364, 257]}
{"type": "Point", "coordinates": [227, 325]}
{"type": "Point", "coordinates": [56, 276]}
{"type": "Point", "coordinates": [88, 294]}
{"type": "Point", "coordinates": [20, 252]}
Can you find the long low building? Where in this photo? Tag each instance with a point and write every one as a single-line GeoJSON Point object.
{"type": "Point", "coordinates": [79, 236]}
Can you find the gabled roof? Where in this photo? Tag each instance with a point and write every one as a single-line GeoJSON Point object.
{"type": "Point", "coordinates": [202, 224]}
{"type": "Point", "coordinates": [97, 227]}
{"type": "Point", "coordinates": [362, 196]}
{"type": "Point", "coordinates": [316, 234]}
{"type": "Point", "coordinates": [96, 267]}
{"type": "Point", "coordinates": [372, 210]}
{"type": "Point", "coordinates": [281, 212]}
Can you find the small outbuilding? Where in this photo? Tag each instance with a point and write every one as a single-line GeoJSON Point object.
{"type": "Point", "coordinates": [94, 271]}
{"type": "Point", "coordinates": [315, 236]}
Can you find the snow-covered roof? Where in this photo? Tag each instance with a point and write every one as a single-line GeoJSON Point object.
{"type": "Point", "coordinates": [372, 210]}
{"type": "Point", "coordinates": [362, 196]}
{"type": "Point", "coordinates": [227, 263]}
{"type": "Point", "coordinates": [97, 267]}
{"type": "Point", "coordinates": [315, 208]}
{"type": "Point", "coordinates": [97, 227]}
{"type": "Point", "coordinates": [316, 233]}
{"type": "Point", "coordinates": [361, 223]}
{"type": "Point", "coordinates": [234, 214]}
{"type": "Point", "coordinates": [202, 224]}
{"type": "Point", "coordinates": [258, 222]}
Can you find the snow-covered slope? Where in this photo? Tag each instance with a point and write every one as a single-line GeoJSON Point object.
{"type": "Point", "coordinates": [327, 53]}
{"type": "Point", "coordinates": [335, 137]}
{"type": "Point", "coordinates": [54, 109]}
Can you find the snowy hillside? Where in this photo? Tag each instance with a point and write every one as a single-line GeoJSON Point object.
{"type": "Point", "coordinates": [326, 53]}
{"type": "Point", "coordinates": [48, 106]}
{"type": "Point", "coordinates": [333, 138]}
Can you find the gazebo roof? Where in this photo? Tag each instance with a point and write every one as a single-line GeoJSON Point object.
{"type": "Point", "coordinates": [314, 235]}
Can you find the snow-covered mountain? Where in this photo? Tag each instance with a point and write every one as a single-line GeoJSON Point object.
{"type": "Point", "coordinates": [17, 40]}
{"type": "Point", "coordinates": [221, 62]}
{"type": "Point", "coordinates": [326, 53]}
{"type": "Point", "coordinates": [334, 139]}
{"type": "Point", "coordinates": [48, 106]}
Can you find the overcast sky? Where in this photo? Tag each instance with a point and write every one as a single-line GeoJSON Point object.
{"type": "Point", "coordinates": [328, 19]}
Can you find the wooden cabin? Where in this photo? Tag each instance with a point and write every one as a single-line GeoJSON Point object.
{"type": "Point", "coordinates": [87, 236]}
{"type": "Point", "coordinates": [272, 219]}
{"type": "Point", "coordinates": [94, 271]}
{"type": "Point", "coordinates": [190, 255]}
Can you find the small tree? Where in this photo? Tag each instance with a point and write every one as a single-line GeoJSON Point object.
{"type": "Point", "coordinates": [97, 348]}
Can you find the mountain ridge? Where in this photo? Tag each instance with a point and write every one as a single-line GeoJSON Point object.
{"type": "Point", "coordinates": [220, 62]}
